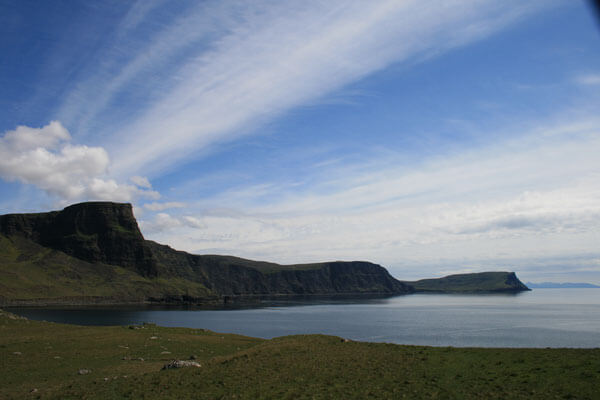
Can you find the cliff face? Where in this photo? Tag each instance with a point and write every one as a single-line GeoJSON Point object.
{"type": "Point", "coordinates": [106, 233]}
{"type": "Point", "coordinates": [236, 276]}
{"type": "Point", "coordinates": [96, 232]}
{"type": "Point", "coordinates": [476, 282]}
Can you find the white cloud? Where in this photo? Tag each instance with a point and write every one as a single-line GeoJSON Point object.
{"type": "Point", "coordinates": [141, 181]}
{"type": "Point", "coordinates": [525, 199]}
{"type": "Point", "coordinates": [44, 157]}
{"type": "Point", "coordinates": [239, 64]}
{"type": "Point", "coordinates": [164, 222]}
{"type": "Point", "coordinates": [588, 79]}
{"type": "Point", "coordinates": [163, 206]}
{"type": "Point", "coordinates": [193, 222]}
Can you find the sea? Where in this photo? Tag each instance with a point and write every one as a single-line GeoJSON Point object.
{"type": "Point", "coordinates": [539, 318]}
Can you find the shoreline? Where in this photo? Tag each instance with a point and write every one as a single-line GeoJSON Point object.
{"type": "Point", "coordinates": [99, 362]}
{"type": "Point", "coordinates": [229, 300]}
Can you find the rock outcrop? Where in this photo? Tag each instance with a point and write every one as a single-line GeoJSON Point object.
{"type": "Point", "coordinates": [96, 232]}
{"type": "Point", "coordinates": [500, 281]}
{"type": "Point", "coordinates": [104, 233]}
{"type": "Point", "coordinates": [85, 244]}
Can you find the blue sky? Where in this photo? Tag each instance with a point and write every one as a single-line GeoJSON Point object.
{"type": "Point", "coordinates": [449, 137]}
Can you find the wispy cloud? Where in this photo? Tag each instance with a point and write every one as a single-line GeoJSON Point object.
{"type": "Point", "coordinates": [164, 206]}
{"type": "Point", "coordinates": [523, 198]}
{"type": "Point", "coordinates": [165, 222]}
{"type": "Point", "coordinates": [141, 181]}
{"type": "Point", "coordinates": [250, 62]}
{"type": "Point", "coordinates": [588, 79]}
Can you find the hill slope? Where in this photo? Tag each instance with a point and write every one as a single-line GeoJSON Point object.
{"type": "Point", "coordinates": [96, 249]}
{"type": "Point", "coordinates": [43, 360]}
{"type": "Point", "coordinates": [476, 282]}
{"type": "Point", "coordinates": [94, 252]}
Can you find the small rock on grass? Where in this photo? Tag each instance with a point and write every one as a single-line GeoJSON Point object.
{"type": "Point", "coordinates": [84, 371]}
{"type": "Point", "coordinates": [181, 364]}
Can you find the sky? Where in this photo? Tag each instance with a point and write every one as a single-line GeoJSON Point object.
{"type": "Point", "coordinates": [429, 137]}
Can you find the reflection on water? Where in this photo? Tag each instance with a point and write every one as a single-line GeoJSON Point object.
{"type": "Point", "coordinates": [541, 318]}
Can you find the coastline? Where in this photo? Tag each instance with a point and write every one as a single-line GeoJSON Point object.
{"type": "Point", "coordinates": [217, 301]}
{"type": "Point", "coordinates": [71, 361]}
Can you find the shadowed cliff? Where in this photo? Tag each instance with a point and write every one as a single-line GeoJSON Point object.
{"type": "Point", "coordinates": [102, 236]}
{"type": "Point", "coordinates": [96, 232]}
{"type": "Point", "coordinates": [94, 252]}
{"type": "Point", "coordinates": [475, 282]}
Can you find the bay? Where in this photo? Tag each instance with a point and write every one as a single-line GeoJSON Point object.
{"type": "Point", "coordinates": [540, 318]}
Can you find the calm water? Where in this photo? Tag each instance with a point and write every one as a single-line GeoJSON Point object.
{"type": "Point", "coordinates": [541, 318]}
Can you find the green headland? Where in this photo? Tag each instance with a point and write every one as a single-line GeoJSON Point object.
{"type": "Point", "coordinates": [95, 253]}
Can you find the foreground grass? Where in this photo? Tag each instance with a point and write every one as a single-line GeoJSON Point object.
{"type": "Point", "coordinates": [42, 360]}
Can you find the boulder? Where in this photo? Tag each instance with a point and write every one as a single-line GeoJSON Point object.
{"type": "Point", "coordinates": [181, 364]}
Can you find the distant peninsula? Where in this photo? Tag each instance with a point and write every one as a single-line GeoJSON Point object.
{"type": "Point", "coordinates": [562, 285]}
{"type": "Point", "coordinates": [95, 253]}
{"type": "Point", "coordinates": [471, 283]}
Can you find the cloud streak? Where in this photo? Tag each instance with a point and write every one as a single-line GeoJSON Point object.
{"type": "Point", "coordinates": [588, 79]}
{"type": "Point", "coordinates": [251, 62]}
{"type": "Point", "coordinates": [520, 199]}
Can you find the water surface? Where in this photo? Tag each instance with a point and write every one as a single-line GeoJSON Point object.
{"type": "Point", "coordinates": [540, 318]}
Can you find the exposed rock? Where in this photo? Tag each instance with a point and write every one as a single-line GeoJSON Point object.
{"type": "Point", "coordinates": [232, 276]}
{"type": "Point", "coordinates": [84, 371]}
{"type": "Point", "coordinates": [181, 364]}
{"type": "Point", "coordinates": [95, 232]}
{"type": "Point", "coordinates": [474, 282]}
{"type": "Point", "coordinates": [105, 233]}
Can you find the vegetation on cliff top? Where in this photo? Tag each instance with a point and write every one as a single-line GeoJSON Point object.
{"type": "Point", "coordinates": [478, 282]}
{"type": "Point", "coordinates": [95, 252]}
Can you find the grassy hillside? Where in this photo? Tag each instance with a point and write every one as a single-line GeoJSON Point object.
{"type": "Point", "coordinates": [42, 360]}
{"type": "Point", "coordinates": [475, 282]}
{"type": "Point", "coordinates": [95, 251]}
{"type": "Point", "coordinates": [29, 271]}
{"type": "Point", "coordinates": [34, 274]}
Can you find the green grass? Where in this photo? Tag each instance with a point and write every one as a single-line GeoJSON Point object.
{"type": "Point", "coordinates": [264, 267]}
{"type": "Point", "coordinates": [475, 282]}
{"type": "Point", "coordinates": [292, 367]}
{"type": "Point", "coordinates": [29, 271]}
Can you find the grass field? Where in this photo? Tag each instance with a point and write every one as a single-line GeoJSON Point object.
{"type": "Point", "coordinates": [43, 360]}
